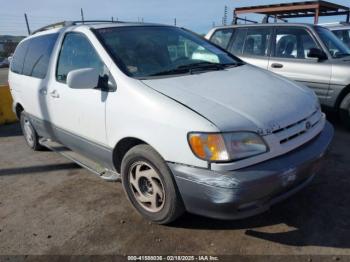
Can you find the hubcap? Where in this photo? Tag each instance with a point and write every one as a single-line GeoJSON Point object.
{"type": "Point", "coordinates": [28, 132]}
{"type": "Point", "coordinates": [146, 186]}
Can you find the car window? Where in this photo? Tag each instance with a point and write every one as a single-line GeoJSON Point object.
{"type": "Point", "coordinates": [76, 53]}
{"type": "Point", "coordinates": [221, 37]}
{"type": "Point", "coordinates": [257, 41]}
{"type": "Point", "coordinates": [293, 43]}
{"type": "Point", "coordinates": [237, 44]}
{"type": "Point", "coordinates": [18, 57]}
{"type": "Point", "coordinates": [38, 55]}
{"type": "Point", "coordinates": [343, 35]}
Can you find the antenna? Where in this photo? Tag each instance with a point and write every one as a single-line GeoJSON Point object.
{"type": "Point", "coordinates": [82, 15]}
{"type": "Point", "coordinates": [27, 23]}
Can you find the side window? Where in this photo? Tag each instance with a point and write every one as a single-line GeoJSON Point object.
{"type": "Point", "coordinates": [76, 53]}
{"type": "Point", "coordinates": [38, 55]}
{"type": "Point", "coordinates": [18, 57]}
{"type": "Point", "coordinates": [293, 43]}
{"type": "Point", "coordinates": [257, 41]}
{"type": "Point", "coordinates": [222, 37]}
{"type": "Point", "coordinates": [238, 41]}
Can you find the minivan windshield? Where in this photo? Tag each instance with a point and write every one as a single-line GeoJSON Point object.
{"type": "Point", "coordinates": [335, 46]}
{"type": "Point", "coordinates": [149, 51]}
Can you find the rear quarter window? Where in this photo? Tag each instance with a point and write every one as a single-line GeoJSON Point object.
{"type": "Point", "coordinates": [38, 55]}
{"type": "Point", "coordinates": [18, 57]}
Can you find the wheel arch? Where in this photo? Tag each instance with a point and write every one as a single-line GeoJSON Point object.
{"type": "Point", "coordinates": [18, 109]}
{"type": "Point", "coordinates": [122, 147]}
{"type": "Point", "coordinates": [345, 91]}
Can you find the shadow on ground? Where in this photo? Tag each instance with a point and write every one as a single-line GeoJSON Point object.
{"type": "Point", "coordinates": [8, 130]}
{"type": "Point", "coordinates": [37, 169]}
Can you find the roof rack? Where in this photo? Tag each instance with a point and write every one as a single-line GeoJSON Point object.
{"type": "Point", "coordinates": [315, 8]}
{"type": "Point", "coordinates": [71, 23]}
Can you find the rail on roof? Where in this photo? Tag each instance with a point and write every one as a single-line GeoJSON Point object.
{"type": "Point", "coordinates": [71, 23]}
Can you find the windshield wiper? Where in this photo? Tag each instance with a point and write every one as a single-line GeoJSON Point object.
{"type": "Point", "coordinates": [341, 55]}
{"type": "Point", "coordinates": [190, 68]}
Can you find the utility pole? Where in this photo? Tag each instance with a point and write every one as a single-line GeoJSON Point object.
{"type": "Point", "coordinates": [224, 20]}
{"type": "Point", "coordinates": [112, 19]}
{"type": "Point", "coordinates": [175, 21]}
{"type": "Point", "coordinates": [27, 23]}
{"type": "Point", "coordinates": [82, 15]}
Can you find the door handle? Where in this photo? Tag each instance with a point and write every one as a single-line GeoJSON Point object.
{"type": "Point", "coordinates": [276, 65]}
{"type": "Point", "coordinates": [43, 91]}
{"type": "Point", "coordinates": [54, 94]}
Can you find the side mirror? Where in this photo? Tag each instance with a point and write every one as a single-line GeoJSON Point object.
{"type": "Point", "coordinates": [317, 53]}
{"type": "Point", "coordinates": [85, 78]}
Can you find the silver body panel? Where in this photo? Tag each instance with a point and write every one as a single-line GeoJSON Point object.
{"type": "Point", "coordinates": [326, 78]}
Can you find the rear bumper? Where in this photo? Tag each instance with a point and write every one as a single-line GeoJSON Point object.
{"type": "Point", "coordinates": [252, 190]}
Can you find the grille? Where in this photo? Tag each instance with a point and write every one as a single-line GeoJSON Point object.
{"type": "Point", "coordinates": [299, 128]}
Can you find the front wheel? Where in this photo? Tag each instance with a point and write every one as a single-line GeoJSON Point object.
{"type": "Point", "coordinates": [344, 111]}
{"type": "Point", "coordinates": [149, 185]}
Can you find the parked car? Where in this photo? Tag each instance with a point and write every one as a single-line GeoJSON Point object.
{"type": "Point", "coordinates": [341, 30]}
{"type": "Point", "coordinates": [185, 124]}
{"type": "Point", "coordinates": [4, 62]}
{"type": "Point", "coordinates": [309, 54]}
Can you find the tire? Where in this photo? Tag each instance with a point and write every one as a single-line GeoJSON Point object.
{"type": "Point", "coordinates": [344, 111]}
{"type": "Point", "coordinates": [150, 186]}
{"type": "Point", "coordinates": [29, 133]}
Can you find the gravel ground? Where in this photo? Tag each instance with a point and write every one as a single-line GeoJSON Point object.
{"type": "Point", "coordinates": [49, 205]}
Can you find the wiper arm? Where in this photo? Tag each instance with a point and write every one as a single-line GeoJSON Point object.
{"type": "Point", "coordinates": [196, 66]}
{"type": "Point", "coordinates": [340, 55]}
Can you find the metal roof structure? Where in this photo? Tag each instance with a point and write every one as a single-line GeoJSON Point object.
{"type": "Point", "coordinates": [295, 10]}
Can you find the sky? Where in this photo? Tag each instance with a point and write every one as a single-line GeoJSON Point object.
{"type": "Point", "coordinates": [197, 15]}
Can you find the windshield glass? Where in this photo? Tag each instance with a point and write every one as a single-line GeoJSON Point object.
{"type": "Point", "coordinates": [335, 47]}
{"type": "Point", "coordinates": [144, 51]}
{"type": "Point", "coordinates": [343, 35]}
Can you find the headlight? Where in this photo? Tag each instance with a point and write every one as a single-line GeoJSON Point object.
{"type": "Point", "coordinates": [216, 147]}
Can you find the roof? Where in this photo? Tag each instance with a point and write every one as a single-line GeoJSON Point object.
{"type": "Point", "coordinates": [336, 25]}
{"type": "Point", "coordinates": [297, 9]}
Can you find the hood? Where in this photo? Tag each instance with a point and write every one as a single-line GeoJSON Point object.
{"type": "Point", "coordinates": [240, 98]}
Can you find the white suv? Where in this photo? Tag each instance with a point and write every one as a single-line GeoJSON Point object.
{"type": "Point", "coordinates": [183, 123]}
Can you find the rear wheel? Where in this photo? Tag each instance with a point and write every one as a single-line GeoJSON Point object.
{"type": "Point", "coordinates": [29, 133]}
{"type": "Point", "coordinates": [344, 111]}
{"type": "Point", "coordinates": [149, 185]}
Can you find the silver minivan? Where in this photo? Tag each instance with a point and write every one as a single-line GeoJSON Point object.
{"type": "Point", "coordinates": [184, 124]}
{"type": "Point", "coordinates": [309, 54]}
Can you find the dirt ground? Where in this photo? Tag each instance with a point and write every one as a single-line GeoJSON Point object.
{"type": "Point", "coordinates": [49, 205]}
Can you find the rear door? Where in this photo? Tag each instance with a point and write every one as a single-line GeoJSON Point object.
{"type": "Point", "coordinates": [252, 45]}
{"type": "Point", "coordinates": [30, 65]}
{"type": "Point", "coordinates": [289, 58]}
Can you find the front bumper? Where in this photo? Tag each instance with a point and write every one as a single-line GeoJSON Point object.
{"type": "Point", "coordinates": [252, 190]}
